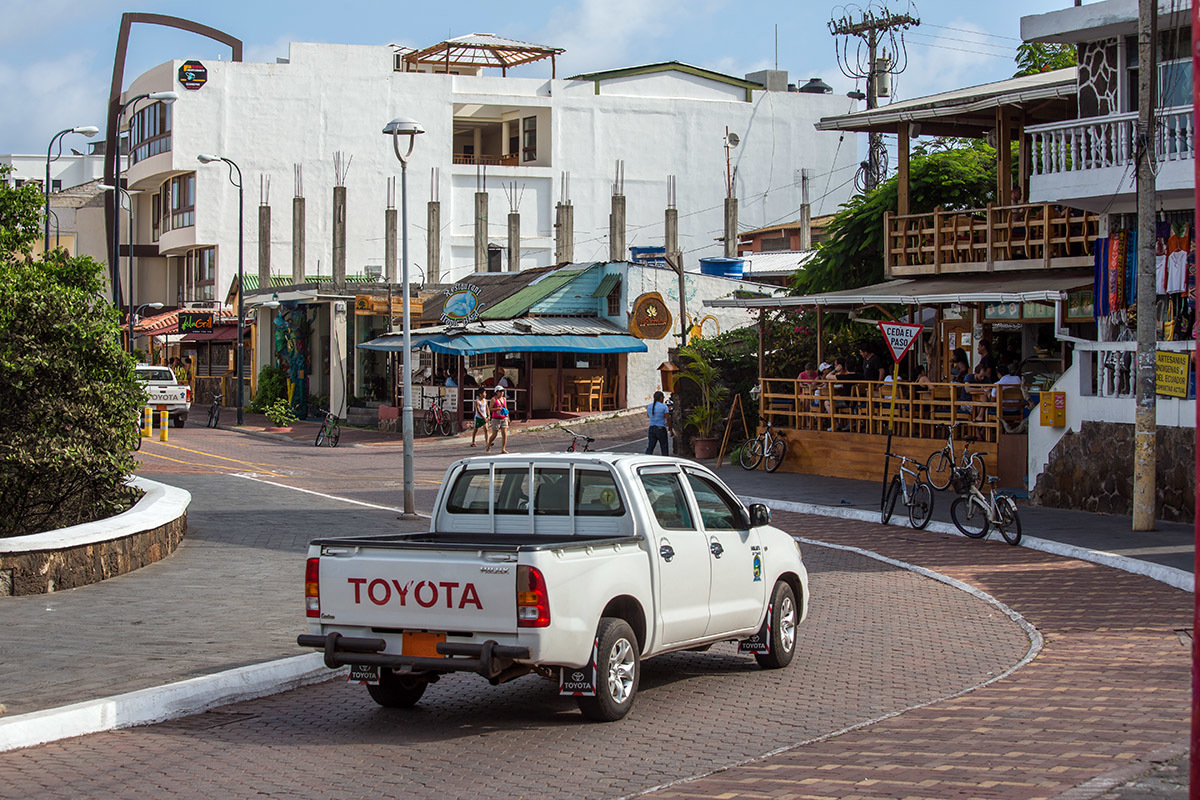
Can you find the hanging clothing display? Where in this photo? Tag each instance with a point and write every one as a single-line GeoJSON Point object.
{"type": "Point", "coordinates": [1100, 259]}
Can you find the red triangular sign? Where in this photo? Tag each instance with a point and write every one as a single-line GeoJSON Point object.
{"type": "Point", "coordinates": [899, 337]}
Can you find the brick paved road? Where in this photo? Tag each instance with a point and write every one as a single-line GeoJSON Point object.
{"type": "Point", "coordinates": [696, 712]}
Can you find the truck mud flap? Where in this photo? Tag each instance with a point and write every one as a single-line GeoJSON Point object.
{"type": "Point", "coordinates": [488, 659]}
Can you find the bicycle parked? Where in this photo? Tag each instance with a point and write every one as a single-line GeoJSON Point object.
{"type": "Point", "coordinates": [769, 446]}
{"type": "Point", "coordinates": [214, 410]}
{"type": "Point", "coordinates": [579, 442]}
{"type": "Point", "coordinates": [973, 512]}
{"type": "Point", "coordinates": [331, 431]}
{"type": "Point", "coordinates": [941, 464]}
{"type": "Point", "coordinates": [918, 495]}
{"type": "Point", "coordinates": [437, 418]}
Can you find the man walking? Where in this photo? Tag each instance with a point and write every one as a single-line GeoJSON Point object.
{"type": "Point", "coordinates": [660, 424]}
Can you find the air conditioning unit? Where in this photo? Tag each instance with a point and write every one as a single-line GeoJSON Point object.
{"type": "Point", "coordinates": [374, 271]}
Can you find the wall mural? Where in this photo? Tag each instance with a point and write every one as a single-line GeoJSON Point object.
{"type": "Point", "coordinates": [293, 330]}
{"type": "Point", "coordinates": [1099, 78]}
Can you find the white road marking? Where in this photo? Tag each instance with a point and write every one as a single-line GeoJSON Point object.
{"type": "Point", "coordinates": [252, 477]}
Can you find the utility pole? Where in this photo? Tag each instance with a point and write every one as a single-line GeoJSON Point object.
{"type": "Point", "coordinates": [1145, 419]}
{"type": "Point", "coordinates": [874, 28]}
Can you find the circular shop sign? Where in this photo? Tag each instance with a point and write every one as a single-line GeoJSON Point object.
{"type": "Point", "coordinates": [193, 74]}
{"type": "Point", "coordinates": [650, 319]}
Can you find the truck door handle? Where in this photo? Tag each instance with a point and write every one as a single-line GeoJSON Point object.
{"type": "Point", "coordinates": [667, 552]}
{"type": "Point", "coordinates": [716, 549]}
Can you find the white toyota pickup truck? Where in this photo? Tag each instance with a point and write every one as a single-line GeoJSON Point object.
{"type": "Point", "coordinates": [571, 566]}
{"type": "Point", "coordinates": [165, 392]}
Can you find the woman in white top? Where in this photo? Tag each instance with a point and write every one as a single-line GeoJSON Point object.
{"type": "Point", "coordinates": [481, 414]}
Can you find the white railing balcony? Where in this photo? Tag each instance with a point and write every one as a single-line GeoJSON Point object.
{"type": "Point", "coordinates": [1104, 142]}
{"type": "Point", "coordinates": [1107, 369]}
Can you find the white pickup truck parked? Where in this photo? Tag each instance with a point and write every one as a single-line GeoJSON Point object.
{"type": "Point", "coordinates": [572, 566]}
{"type": "Point", "coordinates": [165, 392]}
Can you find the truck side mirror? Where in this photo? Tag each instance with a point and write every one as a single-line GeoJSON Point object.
{"type": "Point", "coordinates": [760, 515]}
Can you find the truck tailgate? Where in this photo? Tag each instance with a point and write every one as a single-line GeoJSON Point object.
{"type": "Point", "coordinates": [469, 591]}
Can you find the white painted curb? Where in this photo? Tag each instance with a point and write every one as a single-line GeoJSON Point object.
{"type": "Point", "coordinates": [1177, 578]}
{"type": "Point", "coordinates": [161, 703]}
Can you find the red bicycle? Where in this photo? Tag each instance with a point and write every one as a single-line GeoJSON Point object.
{"type": "Point", "coordinates": [437, 418]}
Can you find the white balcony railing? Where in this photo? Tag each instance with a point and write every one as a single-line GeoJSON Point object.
{"type": "Point", "coordinates": [1111, 141]}
{"type": "Point", "coordinates": [1106, 369]}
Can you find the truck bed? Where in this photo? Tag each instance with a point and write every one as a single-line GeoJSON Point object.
{"type": "Point", "coordinates": [514, 542]}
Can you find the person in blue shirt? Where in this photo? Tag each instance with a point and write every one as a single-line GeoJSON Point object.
{"type": "Point", "coordinates": [660, 424]}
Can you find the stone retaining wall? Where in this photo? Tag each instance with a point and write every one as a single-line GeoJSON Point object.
{"type": "Point", "coordinates": [83, 554]}
{"type": "Point", "coordinates": [1092, 470]}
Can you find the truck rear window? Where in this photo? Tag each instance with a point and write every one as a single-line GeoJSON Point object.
{"type": "Point", "coordinates": [596, 492]}
{"type": "Point", "coordinates": [164, 375]}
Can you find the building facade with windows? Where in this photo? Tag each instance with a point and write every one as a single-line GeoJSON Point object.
{"type": "Point", "coordinates": [528, 143]}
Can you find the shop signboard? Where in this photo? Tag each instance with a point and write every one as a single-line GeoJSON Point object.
{"type": "Point", "coordinates": [368, 305]}
{"type": "Point", "coordinates": [1171, 374]}
{"type": "Point", "coordinates": [651, 319]}
{"type": "Point", "coordinates": [462, 304]}
{"type": "Point", "coordinates": [193, 74]}
{"type": "Point", "coordinates": [1002, 311]}
{"type": "Point", "coordinates": [195, 322]}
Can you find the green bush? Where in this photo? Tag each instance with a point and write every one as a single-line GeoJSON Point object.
{"type": "Point", "coordinates": [280, 413]}
{"type": "Point", "coordinates": [272, 386]}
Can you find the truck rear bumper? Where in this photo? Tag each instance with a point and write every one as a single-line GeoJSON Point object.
{"type": "Point", "coordinates": [488, 659]}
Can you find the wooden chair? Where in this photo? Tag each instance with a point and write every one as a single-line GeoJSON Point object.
{"type": "Point", "coordinates": [587, 394]}
{"type": "Point", "coordinates": [608, 399]}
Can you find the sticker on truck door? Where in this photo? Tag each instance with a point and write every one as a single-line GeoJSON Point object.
{"type": "Point", "coordinates": [580, 682]}
{"type": "Point", "coordinates": [759, 643]}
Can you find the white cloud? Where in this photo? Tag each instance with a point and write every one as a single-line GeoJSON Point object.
{"type": "Point", "coordinates": [267, 53]}
{"type": "Point", "coordinates": [51, 95]}
{"type": "Point", "coordinates": [602, 34]}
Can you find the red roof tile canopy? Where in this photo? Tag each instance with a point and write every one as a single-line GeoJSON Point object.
{"type": "Point", "coordinates": [481, 50]}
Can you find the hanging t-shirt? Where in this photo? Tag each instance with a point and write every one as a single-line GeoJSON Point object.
{"type": "Point", "coordinates": [1177, 272]}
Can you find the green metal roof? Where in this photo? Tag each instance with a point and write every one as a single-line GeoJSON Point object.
{"type": "Point", "coordinates": [611, 281]}
{"type": "Point", "coordinates": [519, 303]}
{"type": "Point", "coordinates": [250, 279]}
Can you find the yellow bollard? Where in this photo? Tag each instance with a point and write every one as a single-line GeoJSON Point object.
{"type": "Point", "coordinates": [148, 422]}
{"type": "Point", "coordinates": [164, 422]}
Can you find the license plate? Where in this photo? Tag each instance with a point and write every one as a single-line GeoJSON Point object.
{"type": "Point", "coordinates": [364, 674]}
{"type": "Point", "coordinates": [422, 645]}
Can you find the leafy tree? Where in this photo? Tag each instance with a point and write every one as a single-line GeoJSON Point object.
{"type": "Point", "coordinates": [68, 390]}
{"type": "Point", "coordinates": [1035, 57]}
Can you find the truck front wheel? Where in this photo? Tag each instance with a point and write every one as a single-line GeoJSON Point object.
{"type": "Point", "coordinates": [618, 668]}
{"type": "Point", "coordinates": [396, 691]}
{"type": "Point", "coordinates": [781, 628]}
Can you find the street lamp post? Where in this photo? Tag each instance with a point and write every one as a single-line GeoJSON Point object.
{"type": "Point", "coordinates": [135, 315]}
{"type": "Point", "coordinates": [165, 97]}
{"type": "Point", "coordinates": [86, 130]}
{"type": "Point", "coordinates": [398, 127]}
{"type": "Point", "coordinates": [128, 196]}
{"type": "Point", "coordinates": [204, 158]}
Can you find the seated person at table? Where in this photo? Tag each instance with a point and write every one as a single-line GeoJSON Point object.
{"type": "Point", "coordinates": [872, 369]}
{"type": "Point", "coordinates": [958, 365]}
{"type": "Point", "coordinates": [809, 373]}
{"type": "Point", "coordinates": [922, 377]}
{"type": "Point", "coordinates": [973, 390]}
{"type": "Point", "coordinates": [1012, 406]}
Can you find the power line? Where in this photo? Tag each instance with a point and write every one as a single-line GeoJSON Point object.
{"type": "Point", "coordinates": [968, 30]}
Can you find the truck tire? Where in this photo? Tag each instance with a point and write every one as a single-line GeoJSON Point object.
{"type": "Point", "coordinates": [179, 421]}
{"type": "Point", "coordinates": [618, 669]}
{"type": "Point", "coordinates": [782, 630]}
{"type": "Point", "coordinates": [395, 691]}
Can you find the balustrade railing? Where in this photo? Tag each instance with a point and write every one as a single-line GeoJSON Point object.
{"type": "Point", "coordinates": [511, 160]}
{"type": "Point", "coordinates": [1111, 141]}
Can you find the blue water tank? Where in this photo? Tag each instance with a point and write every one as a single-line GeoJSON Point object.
{"type": "Point", "coordinates": [723, 267]}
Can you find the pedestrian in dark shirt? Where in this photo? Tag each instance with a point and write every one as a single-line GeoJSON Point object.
{"type": "Point", "coordinates": [872, 365]}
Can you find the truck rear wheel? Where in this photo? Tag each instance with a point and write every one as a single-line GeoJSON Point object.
{"type": "Point", "coordinates": [396, 691]}
{"type": "Point", "coordinates": [781, 630]}
{"type": "Point", "coordinates": [618, 668]}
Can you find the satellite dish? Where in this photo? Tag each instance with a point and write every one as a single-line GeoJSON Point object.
{"type": "Point", "coordinates": [733, 139]}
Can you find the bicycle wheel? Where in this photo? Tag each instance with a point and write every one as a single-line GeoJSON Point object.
{"type": "Point", "coordinates": [889, 501]}
{"type": "Point", "coordinates": [447, 426]}
{"type": "Point", "coordinates": [751, 453]}
{"type": "Point", "coordinates": [320, 437]}
{"type": "Point", "coordinates": [976, 463]}
{"type": "Point", "coordinates": [1009, 521]}
{"type": "Point", "coordinates": [775, 457]}
{"type": "Point", "coordinates": [335, 434]}
{"type": "Point", "coordinates": [920, 507]}
{"type": "Point", "coordinates": [429, 422]}
{"type": "Point", "coordinates": [137, 439]}
{"type": "Point", "coordinates": [969, 516]}
{"type": "Point", "coordinates": [939, 466]}
{"type": "Point", "coordinates": [214, 415]}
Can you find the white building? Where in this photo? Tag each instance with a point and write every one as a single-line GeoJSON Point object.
{"type": "Point", "coordinates": [276, 119]}
{"type": "Point", "coordinates": [67, 171]}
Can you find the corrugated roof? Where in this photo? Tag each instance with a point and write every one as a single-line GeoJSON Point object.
{"type": "Point", "coordinates": [606, 286]}
{"type": "Point", "coordinates": [519, 303]}
{"type": "Point", "coordinates": [494, 287]}
{"type": "Point", "coordinates": [782, 261]}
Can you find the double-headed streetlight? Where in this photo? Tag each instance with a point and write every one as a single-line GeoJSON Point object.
{"type": "Point", "coordinates": [168, 98]}
{"type": "Point", "coordinates": [205, 158]}
{"type": "Point", "coordinates": [402, 126]}
{"type": "Point", "coordinates": [86, 130]}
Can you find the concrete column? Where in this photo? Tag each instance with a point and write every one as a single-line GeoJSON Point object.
{"type": "Point", "coordinates": [504, 136]}
{"type": "Point", "coordinates": [564, 233]}
{"type": "Point", "coordinates": [671, 224]}
{"type": "Point", "coordinates": [337, 357]}
{"type": "Point", "coordinates": [433, 243]}
{"type": "Point", "coordinates": [616, 229]}
{"type": "Point", "coordinates": [481, 231]}
{"type": "Point", "coordinates": [389, 245]}
{"type": "Point", "coordinates": [264, 247]}
{"type": "Point", "coordinates": [731, 219]}
{"type": "Point", "coordinates": [339, 237]}
{"type": "Point", "coordinates": [297, 240]}
{"type": "Point", "coordinates": [514, 242]}
{"type": "Point", "coordinates": [478, 142]}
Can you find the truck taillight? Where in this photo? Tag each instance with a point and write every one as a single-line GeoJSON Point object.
{"type": "Point", "coordinates": [312, 588]}
{"type": "Point", "coordinates": [533, 601]}
{"type": "Point", "coordinates": [189, 394]}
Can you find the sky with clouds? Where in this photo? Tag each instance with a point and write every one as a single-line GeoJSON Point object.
{"type": "Point", "coordinates": [56, 56]}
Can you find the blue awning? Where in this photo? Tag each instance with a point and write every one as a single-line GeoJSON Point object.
{"type": "Point", "coordinates": [469, 344]}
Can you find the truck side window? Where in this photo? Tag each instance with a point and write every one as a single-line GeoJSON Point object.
{"type": "Point", "coordinates": [596, 495]}
{"type": "Point", "coordinates": [717, 511]}
{"type": "Point", "coordinates": [470, 493]}
{"type": "Point", "coordinates": [512, 491]}
{"type": "Point", "coordinates": [553, 493]}
{"type": "Point", "coordinates": [668, 501]}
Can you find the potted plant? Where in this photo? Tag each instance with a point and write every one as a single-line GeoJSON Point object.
{"type": "Point", "coordinates": [280, 414]}
{"type": "Point", "coordinates": [705, 416]}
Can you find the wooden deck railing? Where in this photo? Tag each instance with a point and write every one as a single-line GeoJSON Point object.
{"type": "Point", "coordinates": [866, 407]}
{"type": "Point", "coordinates": [1025, 236]}
{"type": "Point", "coordinates": [510, 160]}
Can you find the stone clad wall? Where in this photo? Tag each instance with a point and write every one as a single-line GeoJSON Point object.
{"type": "Point", "coordinates": [1092, 470]}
